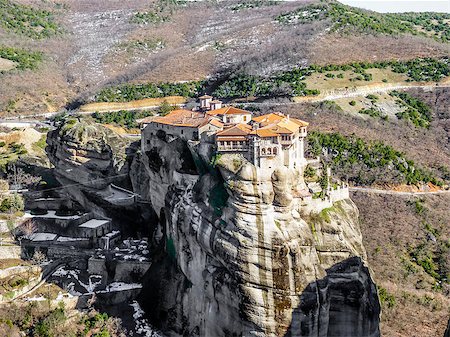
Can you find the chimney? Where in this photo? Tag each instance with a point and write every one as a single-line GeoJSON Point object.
{"type": "Point", "coordinates": [255, 126]}
{"type": "Point", "coordinates": [288, 117]}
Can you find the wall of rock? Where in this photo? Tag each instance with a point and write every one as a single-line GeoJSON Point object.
{"type": "Point", "coordinates": [242, 260]}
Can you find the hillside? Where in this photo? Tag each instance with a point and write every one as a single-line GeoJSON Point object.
{"type": "Point", "coordinates": [408, 252]}
{"type": "Point", "coordinates": [84, 48]}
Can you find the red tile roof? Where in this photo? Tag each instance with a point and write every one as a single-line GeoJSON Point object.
{"type": "Point", "coordinates": [229, 110]}
{"type": "Point", "coordinates": [180, 117]}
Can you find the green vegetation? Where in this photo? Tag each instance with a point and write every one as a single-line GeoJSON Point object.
{"type": "Point", "coordinates": [218, 198]}
{"type": "Point", "coordinates": [145, 18]}
{"type": "Point", "coordinates": [144, 45]}
{"type": "Point", "coordinates": [365, 163]}
{"type": "Point", "coordinates": [350, 19]}
{"type": "Point", "coordinates": [10, 153]}
{"type": "Point", "coordinates": [123, 117]}
{"type": "Point", "coordinates": [288, 83]}
{"type": "Point", "coordinates": [372, 112]}
{"type": "Point", "coordinates": [431, 254]}
{"type": "Point", "coordinates": [291, 83]}
{"type": "Point", "coordinates": [418, 205]}
{"type": "Point", "coordinates": [26, 20]}
{"type": "Point", "coordinates": [24, 59]}
{"type": "Point", "coordinates": [11, 203]}
{"type": "Point", "coordinates": [130, 92]}
{"type": "Point", "coordinates": [416, 111]}
{"type": "Point", "coordinates": [161, 12]}
{"type": "Point", "coordinates": [352, 103]}
{"type": "Point", "coordinates": [250, 4]}
{"type": "Point", "coordinates": [284, 84]}
{"type": "Point", "coordinates": [37, 320]}
{"type": "Point", "coordinates": [310, 173]}
{"type": "Point", "coordinates": [386, 299]}
{"type": "Point", "coordinates": [372, 97]}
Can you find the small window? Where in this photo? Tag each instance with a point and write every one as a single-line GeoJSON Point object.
{"type": "Point", "coordinates": [148, 141]}
{"type": "Point", "coordinates": [245, 118]}
{"type": "Point", "coordinates": [181, 131]}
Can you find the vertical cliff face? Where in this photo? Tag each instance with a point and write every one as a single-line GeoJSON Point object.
{"type": "Point", "coordinates": [243, 257]}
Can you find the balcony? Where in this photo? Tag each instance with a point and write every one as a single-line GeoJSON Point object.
{"type": "Point", "coordinates": [230, 148]}
{"type": "Point", "coordinates": [286, 142]}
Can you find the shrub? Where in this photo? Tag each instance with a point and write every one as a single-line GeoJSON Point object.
{"type": "Point", "coordinates": [416, 111]}
{"type": "Point", "coordinates": [352, 103]}
{"type": "Point", "coordinates": [24, 59]}
{"type": "Point", "coordinates": [27, 20]}
{"type": "Point", "coordinates": [365, 162]}
{"type": "Point", "coordinates": [386, 298]}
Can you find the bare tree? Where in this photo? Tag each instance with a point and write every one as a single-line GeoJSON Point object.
{"type": "Point", "coordinates": [19, 178]}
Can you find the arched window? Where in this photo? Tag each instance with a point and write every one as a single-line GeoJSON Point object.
{"type": "Point", "coordinates": [275, 151]}
{"type": "Point", "coordinates": [263, 151]}
{"type": "Point", "coordinates": [269, 151]}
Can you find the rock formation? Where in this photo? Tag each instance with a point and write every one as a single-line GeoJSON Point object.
{"type": "Point", "coordinates": [242, 257]}
{"type": "Point", "coordinates": [237, 252]}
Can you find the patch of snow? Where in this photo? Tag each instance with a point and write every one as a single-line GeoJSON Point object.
{"type": "Point", "coordinates": [36, 299]}
{"type": "Point", "coordinates": [68, 239]}
{"type": "Point", "coordinates": [120, 286]}
{"type": "Point", "coordinates": [51, 215]}
{"type": "Point", "coordinates": [111, 234]}
{"type": "Point", "coordinates": [41, 237]}
{"type": "Point", "coordinates": [94, 223]}
{"type": "Point", "coordinates": [143, 328]}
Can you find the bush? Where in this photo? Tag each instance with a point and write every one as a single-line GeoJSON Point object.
{"type": "Point", "coordinates": [386, 298]}
{"type": "Point", "coordinates": [352, 103]}
{"type": "Point", "coordinates": [12, 203]}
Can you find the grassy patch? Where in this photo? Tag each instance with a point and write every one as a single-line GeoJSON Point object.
{"type": "Point", "coordinates": [365, 163]}
{"type": "Point", "coordinates": [27, 20]}
{"type": "Point", "coordinates": [24, 59]}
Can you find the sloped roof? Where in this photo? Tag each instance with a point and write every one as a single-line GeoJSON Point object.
{"type": "Point", "coordinates": [216, 122]}
{"type": "Point", "coordinates": [229, 110]}
{"type": "Point", "coordinates": [235, 130]}
{"type": "Point", "coordinates": [265, 132]}
{"type": "Point", "coordinates": [181, 117]}
{"type": "Point", "coordinates": [277, 123]}
{"type": "Point", "coordinates": [269, 118]}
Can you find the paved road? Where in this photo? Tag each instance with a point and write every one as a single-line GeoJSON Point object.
{"type": "Point", "coordinates": [379, 191]}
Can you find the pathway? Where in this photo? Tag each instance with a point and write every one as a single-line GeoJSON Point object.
{"type": "Point", "coordinates": [391, 192]}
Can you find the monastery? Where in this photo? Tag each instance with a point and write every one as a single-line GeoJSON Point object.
{"type": "Point", "coordinates": [267, 141]}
